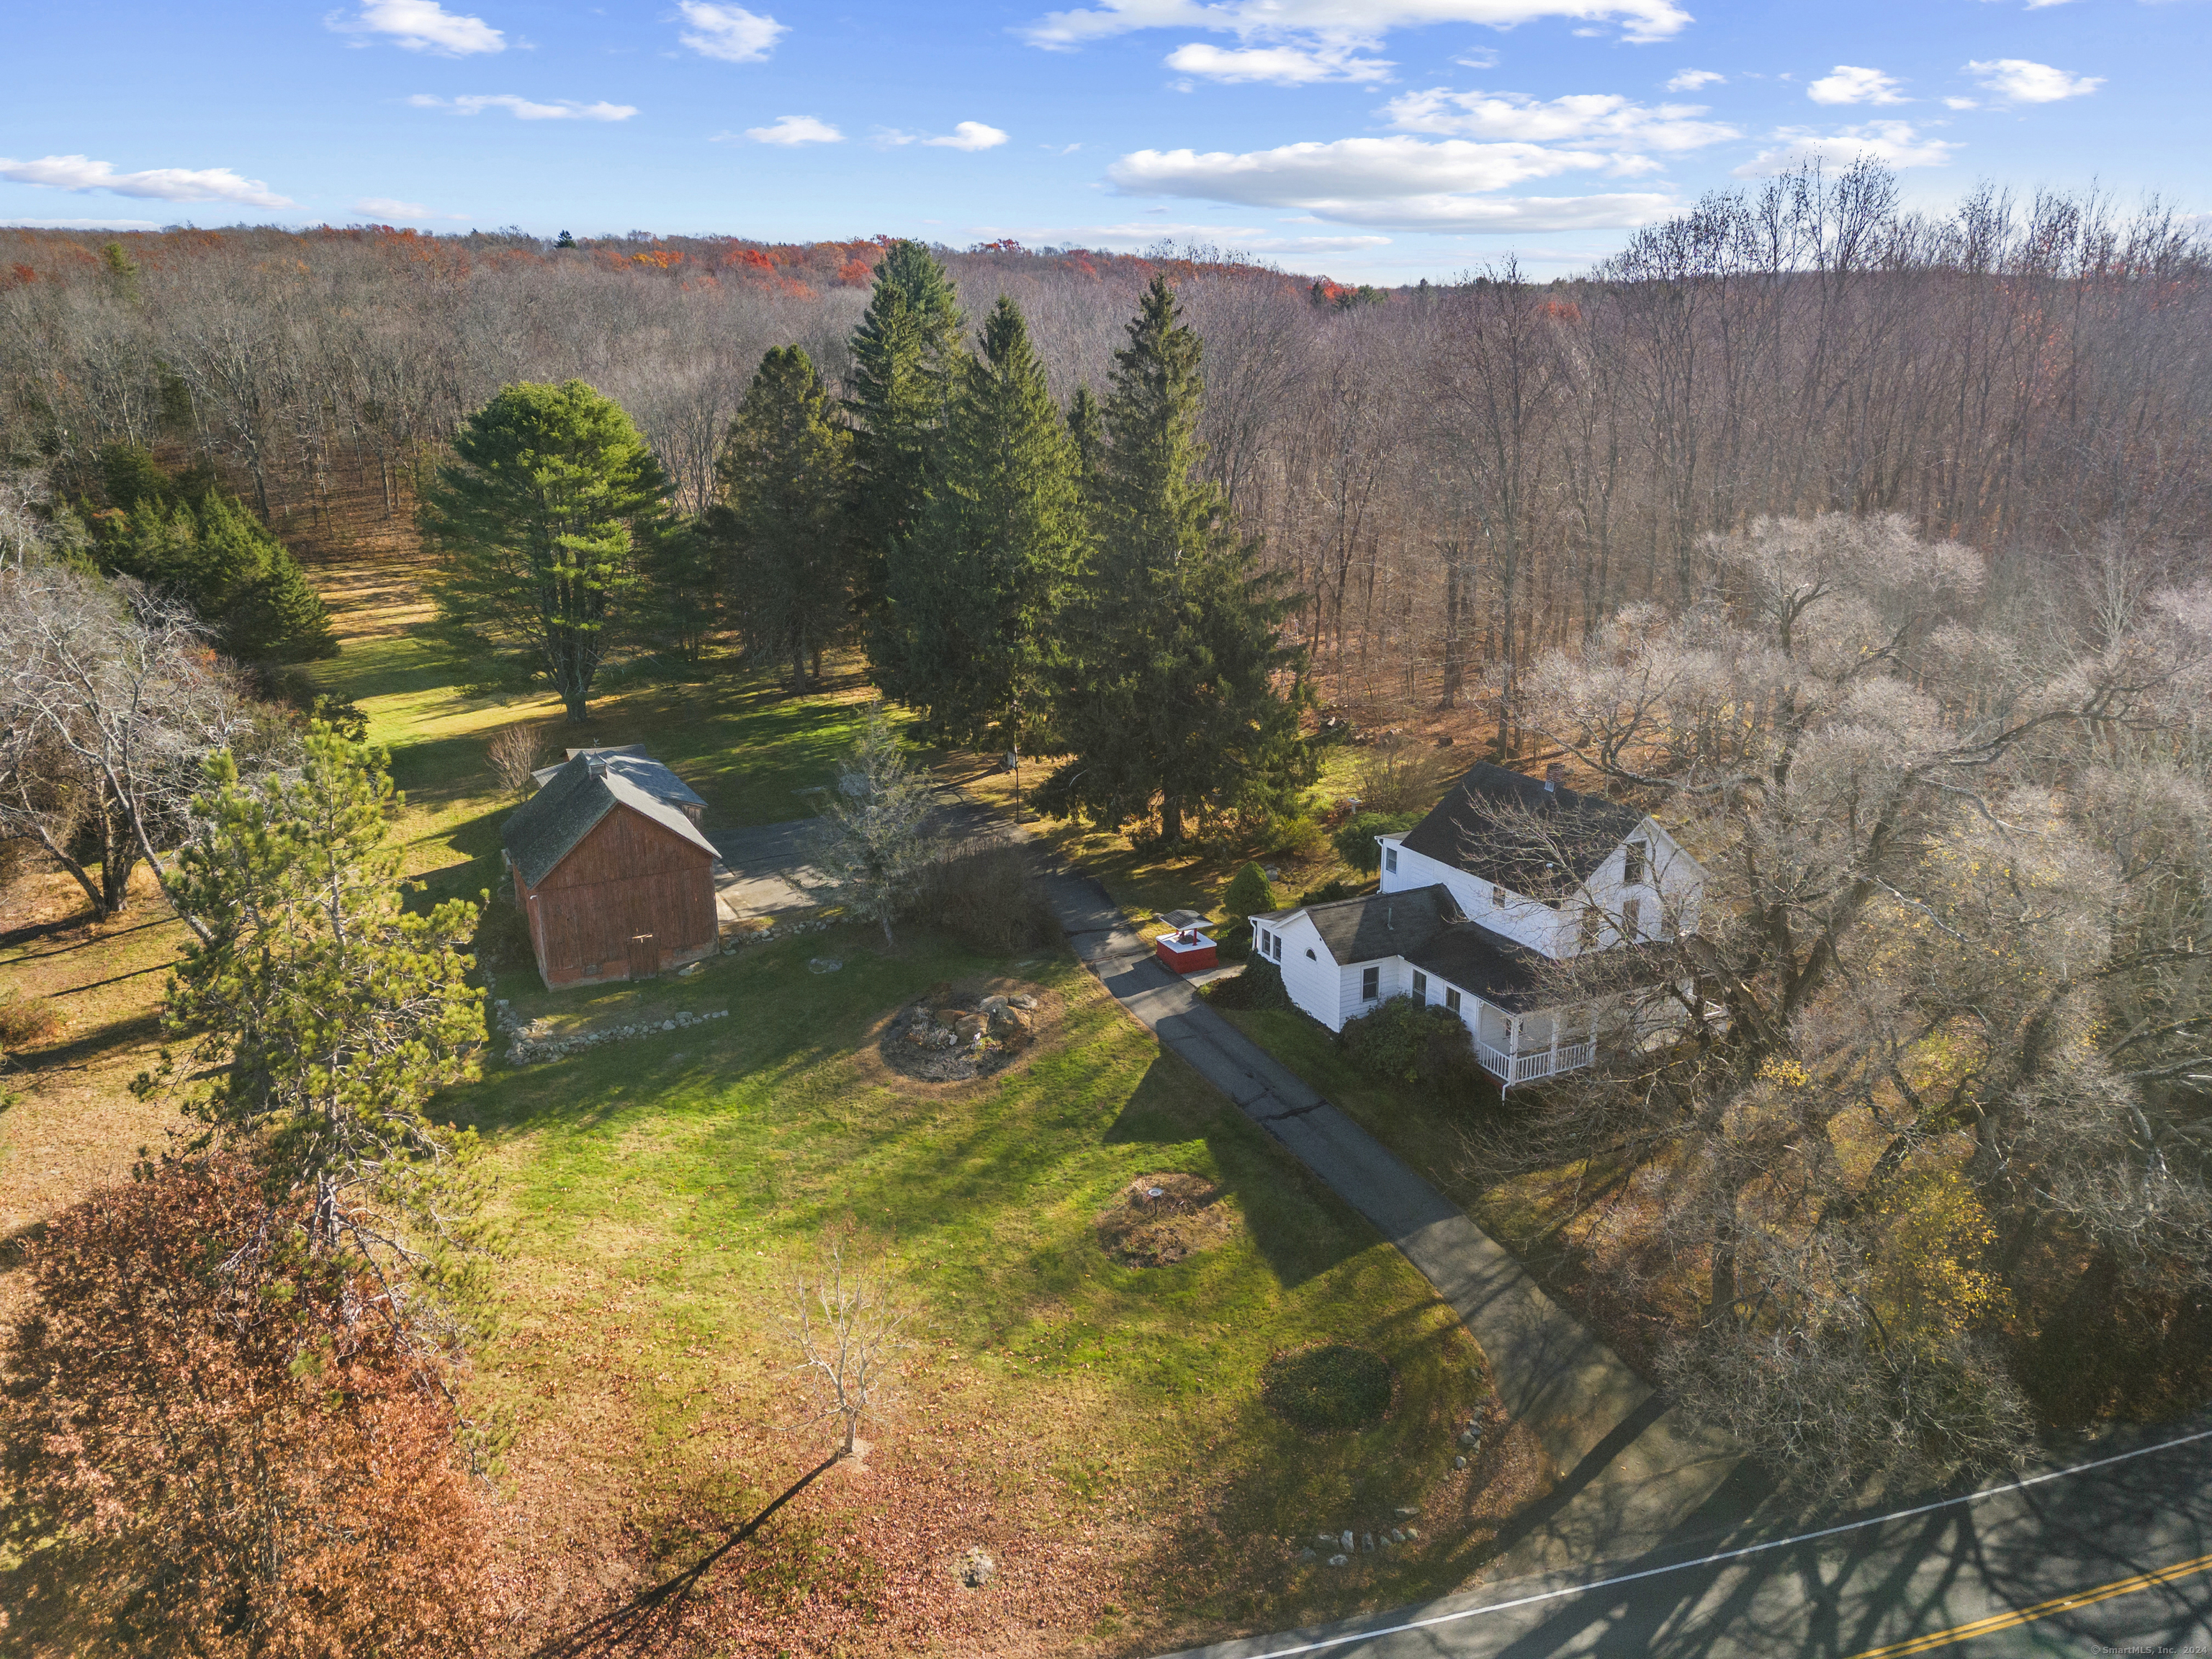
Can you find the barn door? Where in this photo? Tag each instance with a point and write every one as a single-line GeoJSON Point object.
{"type": "Point", "coordinates": [644, 957]}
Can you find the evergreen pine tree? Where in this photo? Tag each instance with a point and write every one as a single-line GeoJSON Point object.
{"type": "Point", "coordinates": [187, 537]}
{"type": "Point", "coordinates": [783, 474]}
{"type": "Point", "coordinates": [325, 1013]}
{"type": "Point", "coordinates": [1167, 698]}
{"type": "Point", "coordinates": [541, 519]}
{"type": "Point", "coordinates": [974, 591]}
{"type": "Point", "coordinates": [905, 352]}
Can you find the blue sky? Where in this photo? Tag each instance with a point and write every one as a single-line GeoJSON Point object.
{"type": "Point", "coordinates": [1380, 140]}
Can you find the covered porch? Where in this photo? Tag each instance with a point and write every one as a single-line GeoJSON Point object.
{"type": "Point", "coordinates": [1524, 1047]}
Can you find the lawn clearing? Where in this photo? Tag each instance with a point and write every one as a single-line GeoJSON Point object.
{"type": "Point", "coordinates": [1097, 1429]}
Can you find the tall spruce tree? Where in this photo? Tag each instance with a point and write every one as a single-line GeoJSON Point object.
{"type": "Point", "coordinates": [973, 593]}
{"type": "Point", "coordinates": [905, 354]}
{"type": "Point", "coordinates": [1167, 693]}
{"type": "Point", "coordinates": [1087, 429]}
{"type": "Point", "coordinates": [783, 475]}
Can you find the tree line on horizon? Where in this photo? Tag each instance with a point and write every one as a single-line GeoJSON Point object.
{"type": "Point", "coordinates": [1456, 480]}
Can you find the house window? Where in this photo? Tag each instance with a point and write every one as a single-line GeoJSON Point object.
{"type": "Point", "coordinates": [1420, 985]}
{"type": "Point", "coordinates": [1631, 865]}
{"type": "Point", "coordinates": [1275, 946]}
{"type": "Point", "coordinates": [1497, 898]}
{"type": "Point", "coordinates": [1586, 934]}
{"type": "Point", "coordinates": [1371, 984]}
{"type": "Point", "coordinates": [1451, 1000]}
{"type": "Point", "coordinates": [1632, 920]}
{"type": "Point", "coordinates": [1390, 860]}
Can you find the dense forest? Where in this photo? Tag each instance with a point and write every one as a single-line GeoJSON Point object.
{"type": "Point", "coordinates": [1453, 477]}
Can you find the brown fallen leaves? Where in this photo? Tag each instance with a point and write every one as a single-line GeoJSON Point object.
{"type": "Point", "coordinates": [214, 1446]}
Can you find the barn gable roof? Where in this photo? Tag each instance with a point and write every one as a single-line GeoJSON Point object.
{"type": "Point", "coordinates": [1472, 828]}
{"type": "Point", "coordinates": [631, 764]}
{"type": "Point", "coordinates": [551, 823]}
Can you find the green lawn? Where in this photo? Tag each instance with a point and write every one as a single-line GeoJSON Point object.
{"type": "Point", "coordinates": [1102, 1424]}
{"type": "Point", "coordinates": [681, 1174]}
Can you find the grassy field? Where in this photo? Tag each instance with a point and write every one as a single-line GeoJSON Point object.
{"type": "Point", "coordinates": [1097, 1428]}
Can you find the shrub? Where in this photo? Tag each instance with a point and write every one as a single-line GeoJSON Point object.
{"type": "Point", "coordinates": [989, 899]}
{"type": "Point", "coordinates": [1233, 940]}
{"type": "Point", "coordinates": [503, 936]}
{"type": "Point", "coordinates": [1405, 1040]}
{"type": "Point", "coordinates": [228, 1453]}
{"type": "Point", "coordinates": [1259, 985]}
{"type": "Point", "coordinates": [1354, 840]}
{"type": "Point", "coordinates": [25, 1022]}
{"type": "Point", "coordinates": [1333, 1386]}
{"type": "Point", "coordinates": [1394, 776]}
{"type": "Point", "coordinates": [1327, 893]}
{"type": "Point", "coordinates": [1249, 895]}
{"type": "Point", "coordinates": [1300, 839]}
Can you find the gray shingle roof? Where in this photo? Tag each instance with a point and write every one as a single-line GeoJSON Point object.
{"type": "Point", "coordinates": [1474, 829]}
{"type": "Point", "coordinates": [632, 763]}
{"type": "Point", "coordinates": [547, 828]}
{"type": "Point", "coordinates": [1378, 926]}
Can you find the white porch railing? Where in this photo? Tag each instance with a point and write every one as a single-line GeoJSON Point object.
{"type": "Point", "coordinates": [1543, 1062]}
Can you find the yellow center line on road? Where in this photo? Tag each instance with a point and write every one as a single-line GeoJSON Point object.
{"type": "Point", "coordinates": [2013, 1621]}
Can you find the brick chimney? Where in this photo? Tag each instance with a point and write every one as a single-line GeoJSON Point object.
{"type": "Point", "coordinates": [1552, 774]}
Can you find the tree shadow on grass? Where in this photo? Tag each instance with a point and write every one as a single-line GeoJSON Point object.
{"type": "Point", "coordinates": [657, 1612]}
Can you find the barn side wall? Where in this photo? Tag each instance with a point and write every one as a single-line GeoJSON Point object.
{"type": "Point", "coordinates": [628, 876]}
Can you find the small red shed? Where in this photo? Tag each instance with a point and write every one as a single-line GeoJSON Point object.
{"type": "Point", "coordinates": [615, 883]}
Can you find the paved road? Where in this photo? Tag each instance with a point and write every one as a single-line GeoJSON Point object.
{"type": "Point", "coordinates": [2109, 1559]}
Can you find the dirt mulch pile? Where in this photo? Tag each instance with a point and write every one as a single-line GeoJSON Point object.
{"type": "Point", "coordinates": [1162, 1219]}
{"type": "Point", "coordinates": [971, 1029]}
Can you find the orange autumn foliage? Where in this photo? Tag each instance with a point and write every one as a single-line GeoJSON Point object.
{"type": "Point", "coordinates": [210, 1444]}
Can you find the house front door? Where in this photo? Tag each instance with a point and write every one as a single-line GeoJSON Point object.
{"type": "Point", "coordinates": [644, 957]}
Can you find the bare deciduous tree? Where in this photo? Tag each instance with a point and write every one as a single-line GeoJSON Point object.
{"type": "Point", "coordinates": [875, 843]}
{"type": "Point", "coordinates": [109, 699]}
{"type": "Point", "coordinates": [847, 1319]}
{"type": "Point", "coordinates": [514, 752]}
{"type": "Point", "coordinates": [1933, 1006]}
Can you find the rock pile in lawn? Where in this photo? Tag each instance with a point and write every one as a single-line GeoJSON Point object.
{"type": "Point", "coordinates": [950, 1036]}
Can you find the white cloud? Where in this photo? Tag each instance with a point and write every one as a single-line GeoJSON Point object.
{"type": "Point", "coordinates": [1602, 118]}
{"type": "Point", "coordinates": [1288, 66]}
{"type": "Point", "coordinates": [1242, 238]}
{"type": "Point", "coordinates": [386, 206]}
{"type": "Point", "coordinates": [1480, 57]}
{"type": "Point", "coordinates": [965, 135]}
{"type": "Point", "coordinates": [729, 33]}
{"type": "Point", "coordinates": [792, 129]}
{"type": "Point", "coordinates": [1845, 84]}
{"type": "Point", "coordinates": [2018, 81]}
{"type": "Point", "coordinates": [1960, 103]}
{"type": "Point", "coordinates": [80, 224]}
{"type": "Point", "coordinates": [165, 184]}
{"type": "Point", "coordinates": [420, 25]}
{"type": "Point", "coordinates": [1895, 144]}
{"type": "Point", "coordinates": [1690, 80]}
{"type": "Point", "coordinates": [526, 109]}
{"type": "Point", "coordinates": [1391, 183]}
{"type": "Point", "coordinates": [1342, 20]}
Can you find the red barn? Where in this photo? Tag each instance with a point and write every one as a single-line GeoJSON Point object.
{"type": "Point", "coordinates": [615, 881]}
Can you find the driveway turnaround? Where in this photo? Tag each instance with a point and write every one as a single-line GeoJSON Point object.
{"type": "Point", "coordinates": [1634, 1475]}
{"type": "Point", "coordinates": [2112, 1555]}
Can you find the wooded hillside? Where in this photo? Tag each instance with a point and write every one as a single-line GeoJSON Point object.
{"type": "Point", "coordinates": [1453, 476]}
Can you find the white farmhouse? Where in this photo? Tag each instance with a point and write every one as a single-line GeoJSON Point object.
{"type": "Point", "coordinates": [1505, 876]}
